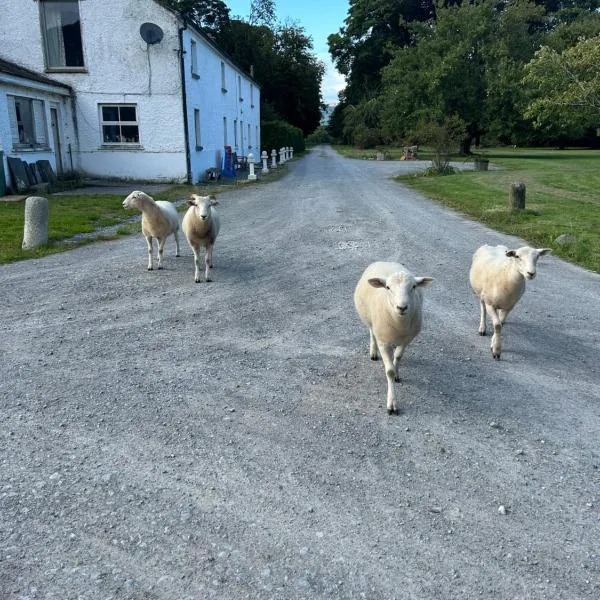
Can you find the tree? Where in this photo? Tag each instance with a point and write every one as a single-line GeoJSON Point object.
{"type": "Point", "coordinates": [208, 15]}
{"type": "Point", "coordinates": [263, 12]}
{"type": "Point", "coordinates": [565, 88]}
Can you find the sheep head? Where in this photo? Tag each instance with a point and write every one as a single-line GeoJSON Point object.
{"type": "Point", "coordinates": [202, 205]}
{"type": "Point", "coordinates": [525, 259]}
{"type": "Point", "coordinates": [135, 199]}
{"type": "Point", "coordinates": [403, 290]}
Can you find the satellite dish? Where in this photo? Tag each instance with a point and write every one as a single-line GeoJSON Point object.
{"type": "Point", "coordinates": [151, 33]}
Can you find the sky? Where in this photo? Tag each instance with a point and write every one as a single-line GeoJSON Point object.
{"type": "Point", "coordinates": [319, 19]}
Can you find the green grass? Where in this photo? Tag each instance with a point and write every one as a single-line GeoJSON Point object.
{"type": "Point", "coordinates": [563, 195]}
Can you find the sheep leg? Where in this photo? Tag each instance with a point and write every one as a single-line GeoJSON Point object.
{"type": "Point", "coordinates": [149, 242]}
{"type": "Point", "coordinates": [161, 247]}
{"type": "Point", "coordinates": [482, 318]}
{"type": "Point", "coordinates": [208, 262]}
{"type": "Point", "coordinates": [197, 277]}
{"type": "Point", "coordinates": [502, 314]}
{"type": "Point", "coordinates": [398, 352]}
{"type": "Point", "coordinates": [386, 351]}
{"type": "Point", "coordinates": [373, 346]}
{"type": "Point", "coordinates": [496, 344]}
{"type": "Point", "coordinates": [176, 234]}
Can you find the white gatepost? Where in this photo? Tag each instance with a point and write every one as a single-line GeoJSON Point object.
{"type": "Point", "coordinates": [281, 155]}
{"type": "Point", "coordinates": [265, 159]}
{"type": "Point", "coordinates": [252, 174]}
{"type": "Point", "coordinates": [291, 151]}
{"type": "Point", "coordinates": [273, 159]}
{"type": "Point", "coordinates": [35, 232]}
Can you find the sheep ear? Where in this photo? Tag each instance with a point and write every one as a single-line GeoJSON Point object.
{"type": "Point", "coordinates": [423, 281]}
{"type": "Point", "coordinates": [543, 251]}
{"type": "Point", "coordinates": [511, 253]}
{"type": "Point", "coordinates": [377, 282]}
{"type": "Point", "coordinates": [213, 201]}
{"type": "Point", "coordinates": [191, 202]}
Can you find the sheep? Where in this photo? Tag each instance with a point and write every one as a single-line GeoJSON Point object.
{"type": "Point", "coordinates": [498, 278]}
{"type": "Point", "coordinates": [201, 226]}
{"type": "Point", "coordinates": [389, 301]}
{"type": "Point", "coordinates": [159, 220]}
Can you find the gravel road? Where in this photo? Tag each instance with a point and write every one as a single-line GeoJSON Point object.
{"type": "Point", "coordinates": [163, 439]}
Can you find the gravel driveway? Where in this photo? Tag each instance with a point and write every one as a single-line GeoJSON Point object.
{"type": "Point", "coordinates": [163, 439]}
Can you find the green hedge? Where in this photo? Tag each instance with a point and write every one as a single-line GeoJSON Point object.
{"type": "Point", "coordinates": [277, 134]}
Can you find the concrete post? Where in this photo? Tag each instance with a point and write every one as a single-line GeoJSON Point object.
{"type": "Point", "coordinates": [252, 174]}
{"type": "Point", "coordinates": [265, 159]}
{"type": "Point", "coordinates": [291, 151]}
{"type": "Point", "coordinates": [273, 159]}
{"type": "Point", "coordinates": [516, 196]}
{"type": "Point", "coordinates": [36, 222]}
{"type": "Point", "coordinates": [281, 155]}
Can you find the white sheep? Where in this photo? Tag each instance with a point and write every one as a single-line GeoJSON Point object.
{"type": "Point", "coordinates": [201, 226]}
{"type": "Point", "coordinates": [498, 278]}
{"type": "Point", "coordinates": [159, 220]}
{"type": "Point", "coordinates": [389, 301]}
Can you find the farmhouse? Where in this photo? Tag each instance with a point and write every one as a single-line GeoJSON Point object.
{"type": "Point", "coordinates": [121, 89]}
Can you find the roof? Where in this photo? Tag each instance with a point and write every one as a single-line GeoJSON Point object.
{"type": "Point", "coordinates": [11, 68]}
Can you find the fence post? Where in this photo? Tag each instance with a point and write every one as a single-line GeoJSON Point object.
{"type": "Point", "coordinates": [516, 196]}
{"type": "Point", "coordinates": [252, 174]}
{"type": "Point", "coordinates": [273, 159]}
{"type": "Point", "coordinates": [35, 232]}
{"type": "Point", "coordinates": [265, 159]}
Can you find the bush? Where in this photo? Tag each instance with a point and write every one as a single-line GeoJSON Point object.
{"type": "Point", "coordinates": [277, 134]}
{"type": "Point", "coordinates": [319, 136]}
{"type": "Point", "coordinates": [444, 138]}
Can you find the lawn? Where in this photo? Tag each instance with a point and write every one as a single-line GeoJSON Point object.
{"type": "Point", "coordinates": [563, 196]}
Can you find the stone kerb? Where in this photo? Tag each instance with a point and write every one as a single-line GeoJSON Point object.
{"type": "Point", "coordinates": [36, 222]}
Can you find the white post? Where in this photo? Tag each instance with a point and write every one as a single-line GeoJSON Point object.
{"type": "Point", "coordinates": [265, 159]}
{"type": "Point", "coordinates": [281, 155]}
{"type": "Point", "coordinates": [273, 159]}
{"type": "Point", "coordinates": [291, 151]}
{"type": "Point", "coordinates": [36, 222]}
{"type": "Point", "coordinates": [252, 174]}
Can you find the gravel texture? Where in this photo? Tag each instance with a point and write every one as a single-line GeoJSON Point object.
{"type": "Point", "coordinates": [163, 439]}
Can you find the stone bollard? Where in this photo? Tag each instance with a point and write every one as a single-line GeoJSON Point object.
{"type": "Point", "coordinates": [291, 151]}
{"type": "Point", "coordinates": [36, 222]}
{"type": "Point", "coordinates": [273, 159]}
{"type": "Point", "coordinates": [252, 174]}
{"type": "Point", "coordinates": [516, 196]}
{"type": "Point", "coordinates": [265, 159]}
{"type": "Point", "coordinates": [281, 155]}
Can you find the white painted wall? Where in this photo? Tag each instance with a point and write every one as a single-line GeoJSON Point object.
{"type": "Point", "coordinates": [16, 86]}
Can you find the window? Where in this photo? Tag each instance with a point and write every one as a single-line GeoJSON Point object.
{"type": "Point", "coordinates": [235, 133]}
{"type": "Point", "coordinates": [249, 137]}
{"type": "Point", "coordinates": [223, 88]}
{"type": "Point", "coordinates": [119, 124]}
{"type": "Point", "coordinates": [251, 95]}
{"type": "Point", "coordinates": [61, 30]}
{"type": "Point", "coordinates": [27, 123]}
{"type": "Point", "coordinates": [257, 138]}
{"type": "Point", "coordinates": [242, 137]}
{"type": "Point", "coordinates": [194, 53]}
{"type": "Point", "coordinates": [197, 129]}
{"type": "Point", "coordinates": [240, 88]}
{"type": "Point", "coordinates": [224, 131]}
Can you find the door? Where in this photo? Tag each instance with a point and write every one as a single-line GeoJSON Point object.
{"type": "Point", "coordinates": [56, 138]}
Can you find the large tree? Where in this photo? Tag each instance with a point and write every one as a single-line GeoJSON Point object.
{"type": "Point", "coordinates": [209, 15]}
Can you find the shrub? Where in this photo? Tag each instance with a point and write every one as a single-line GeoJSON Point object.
{"type": "Point", "coordinates": [277, 134]}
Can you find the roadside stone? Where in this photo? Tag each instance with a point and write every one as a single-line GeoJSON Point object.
{"type": "Point", "coordinates": [565, 239]}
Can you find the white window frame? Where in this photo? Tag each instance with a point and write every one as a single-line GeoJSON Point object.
{"type": "Point", "coordinates": [55, 53]}
{"type": "Point", "coordinates": [241, 96]}
{"type": "Point", "coordinates": [119, 123]}
{"type": "Point", "coordinates": [249, 136]}
{"type": "Point", "coordinates": [198, 130]}
{"type": "Point", "coordinates": [251, 95]}
{"type": "Point", "coordinates": [194, 59]}
{"type": "Point", "coordinates": [32, 135]}
{"type": "Point", "coordinates": [225, 131]}
{"type": "Point", "coordinates": [223, 86]}
{"type": "Point", "coordinates": [235, 135]}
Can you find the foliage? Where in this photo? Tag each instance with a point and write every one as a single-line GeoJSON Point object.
{"type": "Point", "coordinates": [277, 134]}
{"type": "Point", "coordinates": [361, 124]}
{"type": "Point", "coordinates": [444, 138]}
{"type": "Point", "coordinates": [319, 136]}
{"type": "Point", "coordinates": [208, 15]}
{"type": "Point", "coordinates": [262, 12]}
{"type": "Point", "coordinates": [566, 87]}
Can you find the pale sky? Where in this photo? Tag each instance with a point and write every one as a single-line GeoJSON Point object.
{"type": "Point", "coordinates": [319, 18]}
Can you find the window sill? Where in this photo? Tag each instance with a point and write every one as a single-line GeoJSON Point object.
{"type": "Point", "coordinates": [66, 70]}
{"type": "Point", "coordinates": [121, 147]}
{"type": "Point", "coordinates": [224, 90]}
{"type": "Point", "coordinates": [199, 148]}
{"type": "Point", "coordinates": [30, 148]}
{"type": "Point", "coordinates": [195, 76]}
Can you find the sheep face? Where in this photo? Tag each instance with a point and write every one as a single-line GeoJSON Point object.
{"type": "Point", "coordinates": [403, 291]}
{"type": "Point", "coordinates": [525, 259]}
{"type": "Point", "coordinates": [202, 205]}
{"type": "Point", "coordinates": [133, 200]}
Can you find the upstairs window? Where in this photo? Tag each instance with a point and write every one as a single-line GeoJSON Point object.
{"type": "Point", "coordinates": [61, 30]}
{"type": "Point", "coordinates": [194, 53]}
{"type": "Point", "coordinates": [223, 87]}
{"type": "Point", "coordinates": [27, 123]}
{"type": "Point", "coordinates": [241, 96]}
{"type": "Point", "coordinates": [119, 124]}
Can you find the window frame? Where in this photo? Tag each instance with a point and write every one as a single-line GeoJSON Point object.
{"type": "Point", "coordinates": [194, 59]}
{"type": "Point", "coordinates": [58, 68]}
{"type": "Point", "coordinates": [198, 130]}
{"type": "Point", "coordinates": [37, 126]}
{"type": "Point", "coordinates": [223, 81]}
{"type": "Point", "coordinates": [119, 123]}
